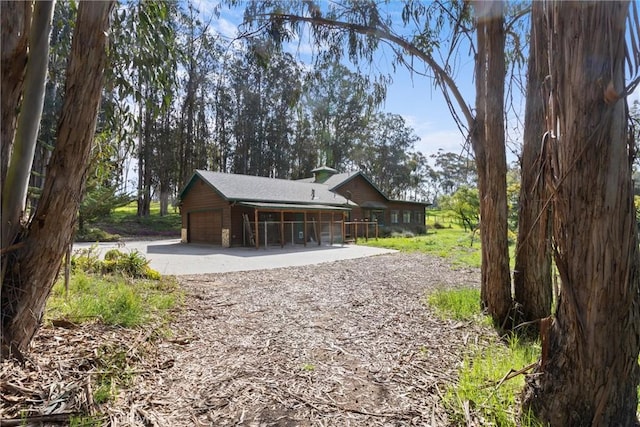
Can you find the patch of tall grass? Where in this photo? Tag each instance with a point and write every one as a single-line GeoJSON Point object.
{"type": "Point", "coordinates": [457, 304]}
{"type": "Point", "coordinates": [489, 384]}
{"type": "Point", "coordinates": [486, 393]}
{"type": "Point", "coordinates": [112, 299]}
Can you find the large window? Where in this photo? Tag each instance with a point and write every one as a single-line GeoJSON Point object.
{"type": "Point", "coordinates": [394, 217]}
{"type": "Point", "coordinates": [418, 216]}
{"type": "Point", "coordinates": [406, 217]}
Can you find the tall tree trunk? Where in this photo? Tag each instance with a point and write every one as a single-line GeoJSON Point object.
{"type": "Point", "coordinates": [16, 181]}
{"type": "Point", "coordinates": [488, 142]}
{"type": "Point", "coordinates": [15, 27]}
{"type": "Point", "coordinates": [532, 274]}
{"type": "Point", "coordinates": [588, 372]}
{"type": "Point", "coordinates": [32, 269]}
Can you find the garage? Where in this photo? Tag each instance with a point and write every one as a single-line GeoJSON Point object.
{"type": "Point", "coordinates": [205, 227]}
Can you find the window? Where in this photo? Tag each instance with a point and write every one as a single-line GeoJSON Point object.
{"type": "Point", "coordinates": [394, 217]}
{"type": "Point", "coordinates": [406, 217]}
{"type": "Point", "coordinates": [418, 216]}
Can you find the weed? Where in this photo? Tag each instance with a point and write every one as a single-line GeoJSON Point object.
{"type": "Point", "coordinates": [458, 304]}
{"type": "Point", "coordinates": [114, 372]}
{"type": "Point", "coordinates": [308, 367]}
{"type": "Point", "coordinates": [113, 300]}
{"type": "Point", "coordinates": [483, 389]}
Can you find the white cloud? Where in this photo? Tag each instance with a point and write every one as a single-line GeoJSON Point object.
{"type": "Point", "coordinates": [432, 138]}
{"type": "Point", "coordinates": [225, 28]}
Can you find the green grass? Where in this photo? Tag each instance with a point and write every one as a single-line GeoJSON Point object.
{"type": "Point", "coordinates": [482, 392]}
{"type": "Point", "coordinates": [125, 222]}
{"type": "Point", "coordinates": [457, 304]}
{"type": "Point", "coordinates": [116, 300]}
{"type": "Point", "coordinates": [113, 299]}
{"type": "Point", "coordinates": [485, 390]}
{"type": "Point", "coordinates": [454, 244]}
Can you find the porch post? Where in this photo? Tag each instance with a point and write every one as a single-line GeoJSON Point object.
{"type": "Point", "coordinates": [257, 233]}
{"type": "Point", "coordinates": [331, 229]}
{"type": "Point", "coordinates": [305, 229]}
{"type": "Point", "coordinates": [319, 236]}
{"type": "Point", "coordinates": [282, 229]}
{"type": "Point", "coordinates": [344, 215]}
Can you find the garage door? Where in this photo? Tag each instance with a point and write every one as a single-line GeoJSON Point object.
{"type": "Point", "coordinates": [205, 227]}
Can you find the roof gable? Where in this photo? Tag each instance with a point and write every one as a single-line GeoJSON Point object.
{"type": "Point", "coordinates": [341, 179]}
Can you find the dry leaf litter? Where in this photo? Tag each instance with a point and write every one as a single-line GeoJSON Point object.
{"type": "Point", "coordinates": [348, 343]}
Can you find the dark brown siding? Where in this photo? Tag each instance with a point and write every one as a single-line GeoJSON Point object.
{"type": "Point", "coordinates": [204, 213]}
{"type": "Point", "coordinates": [359, 191]}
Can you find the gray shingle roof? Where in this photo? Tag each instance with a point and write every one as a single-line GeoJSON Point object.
{"type": "Point", "coordinates": [262, 189]}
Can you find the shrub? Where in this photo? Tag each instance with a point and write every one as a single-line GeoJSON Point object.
{"type": "Point", "coordinates": [438, 226]}
{"type": "Point", "coordinates": [96, 235]}
{"type": "Point", "coordinates": [132, 264]}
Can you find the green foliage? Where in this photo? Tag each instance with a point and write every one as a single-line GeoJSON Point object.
{"type": "Point", "coordinates": [454, 244]}
{"type": "Point", "coordinates": [484, 392]}
{"type": "Point", "coordinates": [98, 202]}
{"type": "Point", "coordinates": [130, 264]}
{"type": "Point", "coordinates": [125, 221]}
{"type": "Point", "coordinates": [458, 304]}
{"type": "Point", "coordinates": [112, 300]}
{"type": "Point", "coordinates": [465, 203]}
{"type": "Point", "coordinates": [91, 234]}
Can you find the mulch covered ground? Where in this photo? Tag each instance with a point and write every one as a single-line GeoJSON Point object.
{"type": "Point", "coordinates": [349, 343]}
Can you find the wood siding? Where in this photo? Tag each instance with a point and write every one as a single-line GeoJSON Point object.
{"type": "Point", "coordinates": [204, 214]}
{"type": "Point", "coordinates": [358, 190]}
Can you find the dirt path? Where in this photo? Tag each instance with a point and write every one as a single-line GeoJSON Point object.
{"type": "Point", "coordinates": [343, 343]}
{"type": "Point", "coordinates": [346, 343]}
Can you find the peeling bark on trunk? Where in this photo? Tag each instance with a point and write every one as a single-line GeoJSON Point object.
{"type": "Point", "coordinates": [16, 22]}
{"type": "Point", "coordinates": [532, 274]}
{"type": "Point", "coordinates": [32, 269]}
{"type": "Point", "coordinates": [488, 143]}
{"type": "Point", "coordinates": [590, 374]}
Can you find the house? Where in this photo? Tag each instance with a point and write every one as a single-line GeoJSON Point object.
{"type": "Point", "coordinates": [371, 203]}
{"type": "Point", "coordinates": [233, 210]}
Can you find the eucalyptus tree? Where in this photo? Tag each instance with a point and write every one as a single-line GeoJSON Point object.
{"type": "Point", "coordinates": [386, 154]}
{"type": "Point", "coordinates": [143, 73]}
{"type": "Point", "coordinates": [453, 170]}
{"type": "Point", "coordinates": [60, 45]}
{"type": "Point", "coordinates": [32, 251]}
{"type": "Point", "coordinates": [532, 273]}
{"type": "Point", "coordinates": [588, 373]}
{"type": "Point", "coordinates": [281, 96]}
{"type": "Point", "coordinates": [340, 103]}
{"type": "Point", "coordinates": [199, 62]}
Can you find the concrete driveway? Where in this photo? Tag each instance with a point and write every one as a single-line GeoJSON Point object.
{"type": "Point", "coordinates": [175, 258]}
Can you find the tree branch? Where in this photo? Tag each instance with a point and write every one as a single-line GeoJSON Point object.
{"type": "Point", "coordinates": [441, 75]}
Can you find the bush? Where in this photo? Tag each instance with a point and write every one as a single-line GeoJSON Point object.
{"type": "Point", "coordinates": [96, 235]}
{"type": "Point", "coordinates": [132, 264]}
{"type": "Point", "coordinates": [438, 226]}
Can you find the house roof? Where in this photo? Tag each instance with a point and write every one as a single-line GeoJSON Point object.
{"type": "Point", "coordinates": [247, 188]}
{"type": "Point", "coordinates": [339, 179]}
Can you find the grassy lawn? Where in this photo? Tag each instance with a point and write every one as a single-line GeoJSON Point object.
{"type": "Point", "coordinates": [454, 244]}
{"type": "Point", "coordinates": [125, 222]}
